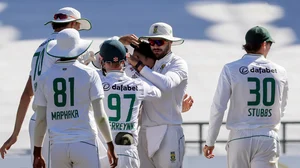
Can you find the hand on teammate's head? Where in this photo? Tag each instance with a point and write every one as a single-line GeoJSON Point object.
{"type": "Point", "coordinates": [132, 60]}
{"type": "Point", "coordinates": [129, 39]}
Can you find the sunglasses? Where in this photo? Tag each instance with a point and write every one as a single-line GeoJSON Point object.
{"type": "Point", "coordinates": [157, 42]}
{"type": "Point", "coordinates": [270, 43]}
{"type": "Point", "coordinates": [62, 16]}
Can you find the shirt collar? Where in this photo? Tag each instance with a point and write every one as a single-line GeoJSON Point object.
{"type": "Point", "coordinates": [166, 58]}
{"type": "Point", "coordinates": [162, 61]}
{"type": "Point", "coordinates": [53, 35]}
{"type": "Point", "coordinates": [69, 62]}
{"type": "Point", "coordinates": [115, 74]}
{"type": "Point", "coordinates": [253, 56]}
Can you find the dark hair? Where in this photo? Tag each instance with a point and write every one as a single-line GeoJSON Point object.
{"type": "Point", "coordinates": [144, 49]}
{"type": "Point", "coordinates": [252, 47]}
{"type": "Point", "coordinates": [59, 25]}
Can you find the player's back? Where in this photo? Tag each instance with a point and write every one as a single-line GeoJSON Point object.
{"type": "Point", "coordinates": [41, 61]}
{"type": "Point", "coordinates": [257, 86]}
{"type": "Point", "coordinates": [69, 92]}
{"type": "Point", "coordinates": [123, 98]}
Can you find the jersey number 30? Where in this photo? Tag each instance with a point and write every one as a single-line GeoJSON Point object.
{"type": "Point", "coordinates": [117, 106]}
{"type": "Point", "coordinates": [264, 96]}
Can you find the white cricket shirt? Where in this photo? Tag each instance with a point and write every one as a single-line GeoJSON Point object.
{"type": "Point", "coordinates": [131, 72]}
{"type": "Point", "coordinates": [170, 75]}
{"type": "Point", "coordinates": [123, 98]}
{"type": "Point", "coordinates": [67, 90]}
{"type": "Point", "coordinates": [257, 89]}
{"type": "Point", "coordinates": [41, 62]}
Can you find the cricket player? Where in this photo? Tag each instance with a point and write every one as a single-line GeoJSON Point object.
{"type": "Point", "coordinates": [161, 138]}
{"type": "Point", "coordinates": [257, 89]}
{"type": "Point", "coordinates": [66, 17]}
{"type": "Point", "coordinates": [123, 98]}
{"type": "Point", "coordinates": [63, 98]}
{"type": "Point", "coordinates": [142, 52]}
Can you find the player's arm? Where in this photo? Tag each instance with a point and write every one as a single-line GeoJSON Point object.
{"type": "Point", "coordinates": [103, 124]}
{"type": "Point", "coordinates": [23, 106]}
{"type": "Point", "coordinates": [22, 109]}
{"type": "Point", "coordinates": [96, 95]}
{"type": "Point", "coordinates": [150, 90]}
{"type": "Point", "coordinates": [39, 134]}
{"type": "Point", "coordinates": [165, 82]}
{"type": "Point", "coordinates": [218, 107]}
{"type": "Point", "coordinates": [101, 119]}
{"type": "Point", "coordinates": [284, 97]}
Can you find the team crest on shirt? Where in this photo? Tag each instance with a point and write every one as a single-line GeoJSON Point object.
{"type": "Point", "coordinates": [155, 29]}
{"type": "Point", "coordinates": [116, 59]}
{"type": "Point", "coordinates": [172, 156]}
{"type": "Point", "coordinates": [162, 67]}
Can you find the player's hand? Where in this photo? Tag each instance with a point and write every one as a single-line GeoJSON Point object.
{"type": "Point", "coordinates": [208, 151]}
{"type": "Point", "coordinates": [87, 57]}
{"type": "Point", "coordinates": [187, 103]}
{"type": "Point", "coordinates": [132, 60]}
{"type": "Point", "coordinates": [39, 162]}
{"type": "Point", "coordinates": [112, 156]}
{"type": "Point", "coordinates": [6, 146]}
{"type": "Point", "coordinates": [129, 39]}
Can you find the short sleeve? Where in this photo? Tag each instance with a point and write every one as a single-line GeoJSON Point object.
{"type": "Point", "coordinates": [39, 97]}
{"type": "Point", "coordinates": [96, 89]}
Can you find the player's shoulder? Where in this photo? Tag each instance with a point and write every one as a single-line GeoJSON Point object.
{"type": "Point", "coordinates": [51, 37]}
{"type": "Point", "coordinates": [81, 68]}
{"type": "Point", "coordinates": [177, 58]}
{"type": "Point", "coordinates": [277, 66]}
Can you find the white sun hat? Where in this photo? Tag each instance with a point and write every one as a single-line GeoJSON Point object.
{"type": "Point", "coordinates": [68, 44]}
{"type": "Point", "coordinates": [164, 31]}
{"type": "Point", "coordinates": [68, 14]}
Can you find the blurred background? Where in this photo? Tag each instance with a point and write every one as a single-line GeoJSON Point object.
{"type": "Point", "coordinates": [214, 34]}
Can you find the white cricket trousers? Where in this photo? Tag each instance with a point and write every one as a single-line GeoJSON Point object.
{"type": "Point", "coordinates": [256, 148]}
{"type": "Point", "coordinates": [82, 154]}
{"type": "Point", "coordinates": [45, 147]}
{"type": "Point", "coordinates": [128, 156]}
{"type": "Point", "coordinates": [170, 153]}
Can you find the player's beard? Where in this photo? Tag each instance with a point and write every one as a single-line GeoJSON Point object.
{"type": "Point", "coordinates": [163, 52]}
